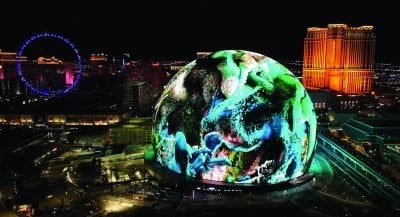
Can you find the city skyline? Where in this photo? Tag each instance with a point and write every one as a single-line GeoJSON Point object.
{"type": "Point", "coordinates": [129, 126]}
{"type": "Point", "coordinates": [176, 31]}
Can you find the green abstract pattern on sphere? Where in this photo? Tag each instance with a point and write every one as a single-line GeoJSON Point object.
{"type": "Point", "coordinates": [237, 117]}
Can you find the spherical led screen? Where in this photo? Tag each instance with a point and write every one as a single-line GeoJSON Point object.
{"type": "Point", "coordinates": [237, 117]}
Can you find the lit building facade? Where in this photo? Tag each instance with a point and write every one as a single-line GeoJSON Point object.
{"type": "Point", "coordinates": [10, 57]}
{"type": "Point", "coordinates": [339, 58]}
{"type": "Point", "coordinates": [62, 119]}
{"type": "Point", "coordinates": [49, 61]}
{"type": "Point", "coordinates": [138, 96]}
{"type": "Point", "coordinates": [99, 64]}
{"type": "Point", "coordinates": [201, 54]}
{"type": "Point", "coordinates": [48, 73]}
{"type": "Point", "coordinates": [9, 81]}
{"type": "Point", "coordinates": [132, 131]}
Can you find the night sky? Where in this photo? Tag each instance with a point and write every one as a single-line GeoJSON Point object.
{"type": "Point", "coordinates": [168, 30]}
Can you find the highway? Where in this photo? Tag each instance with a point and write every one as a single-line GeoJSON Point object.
{"type": "Point", "coordinates": [37, 141]}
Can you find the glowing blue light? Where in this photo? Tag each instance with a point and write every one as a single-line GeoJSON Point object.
{"type": "Point", "coordinates": [47, 92]}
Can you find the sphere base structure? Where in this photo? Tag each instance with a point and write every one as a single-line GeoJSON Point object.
{"type": "Point", "coordinates": [171, 179]}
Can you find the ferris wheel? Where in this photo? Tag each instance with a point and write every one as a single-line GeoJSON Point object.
{"type": "Point", "coordinates": [49, 76]}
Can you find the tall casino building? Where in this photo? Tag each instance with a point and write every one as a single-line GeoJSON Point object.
{"type": "Point", "coordinates": [339, 58]}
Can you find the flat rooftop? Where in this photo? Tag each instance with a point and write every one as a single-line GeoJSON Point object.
{"type": "Point", "coordinates": [382, 123]}
{"type": "Point", "coordinates": [77, 103]}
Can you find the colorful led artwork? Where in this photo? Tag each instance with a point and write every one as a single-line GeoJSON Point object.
{"type": "Point", "coordinates": [235, 117]}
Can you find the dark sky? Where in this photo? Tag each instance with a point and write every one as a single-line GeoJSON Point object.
{"type": "Point", "coordinates": [169, 29]}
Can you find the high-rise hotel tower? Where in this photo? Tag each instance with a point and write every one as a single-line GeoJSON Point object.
{"type": "Point", "coordinates": [340, 58]}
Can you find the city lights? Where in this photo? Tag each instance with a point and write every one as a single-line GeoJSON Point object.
{"type": "Point", "coordinates": [48, 92]}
